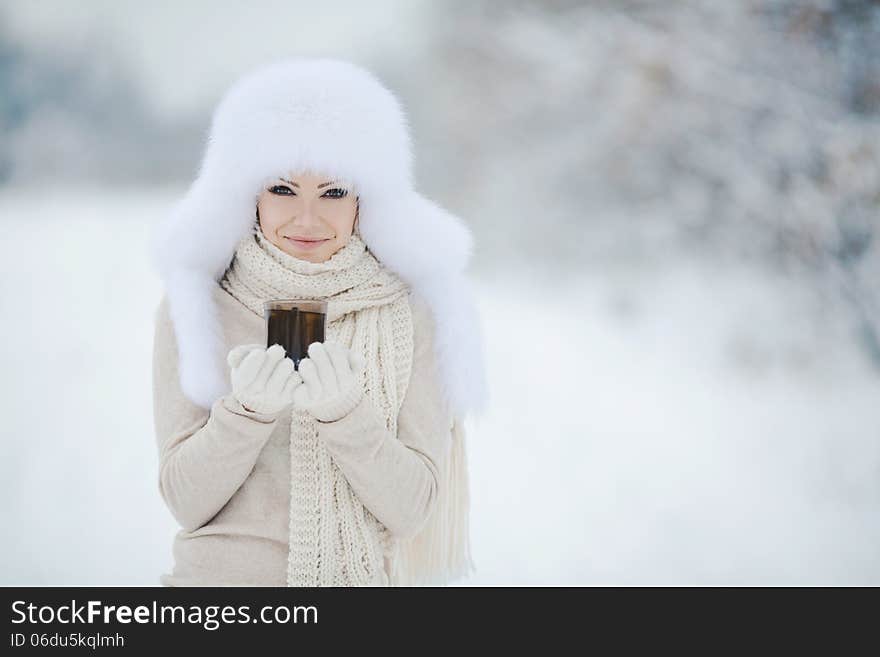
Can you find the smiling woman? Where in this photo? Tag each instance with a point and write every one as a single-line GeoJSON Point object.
{"type": "Point", "coordinates": [357, 485]}
{"type": "Point", "coordinates": [308, 216]}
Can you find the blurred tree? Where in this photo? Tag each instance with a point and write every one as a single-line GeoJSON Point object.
{"type": "Point", "coordinates": [607, 133]}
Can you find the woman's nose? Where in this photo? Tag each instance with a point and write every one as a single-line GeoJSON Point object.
{"type": "Point", "coordinates": [305, 218]}
{"type": "Point", "coordinates": [308, 215]}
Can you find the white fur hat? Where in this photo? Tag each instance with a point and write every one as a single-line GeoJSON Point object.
{"type": "Point", "coordinates": [320, 115]}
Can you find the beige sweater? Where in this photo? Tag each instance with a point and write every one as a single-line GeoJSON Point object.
{"type": "Point", "coordinates": [224, 473]}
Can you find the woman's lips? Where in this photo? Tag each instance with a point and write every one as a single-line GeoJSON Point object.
{"type": "Point", "coordinates": [303, 244]}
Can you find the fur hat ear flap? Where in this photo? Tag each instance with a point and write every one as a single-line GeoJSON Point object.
{"type": "Point", "coordinates": [458, 342]}
{"type": "Point", "coordinates": [193, 310]}
{"type": "Point", "coordinates": [190, 258]}
{"type": "Point", "coordinates": [202, 229]}
{"type": "Point", "coordinates": [430, 248]}
{"type": "Point", "coordinates": [415, 236]}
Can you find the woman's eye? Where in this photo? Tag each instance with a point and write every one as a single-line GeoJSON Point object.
{"type": "Point", "coordinates": [281, 189]}
{"type": "Point", "coordinates": [336, 192]}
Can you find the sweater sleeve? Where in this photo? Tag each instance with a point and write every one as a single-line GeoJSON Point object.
{"type": "Point", "coordinates": [396, 477]}
{"type": "Point", "coordinates": [204, 455]}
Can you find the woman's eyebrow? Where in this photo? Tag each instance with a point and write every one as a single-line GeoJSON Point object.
{"type": "Point", "coordinates": [295, 185]}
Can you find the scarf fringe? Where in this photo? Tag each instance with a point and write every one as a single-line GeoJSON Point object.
{"type": "Point", "coordinates": [440, 553]}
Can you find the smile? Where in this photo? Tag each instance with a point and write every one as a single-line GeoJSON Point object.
{"type": "Point", "coordinates": [306, 244]}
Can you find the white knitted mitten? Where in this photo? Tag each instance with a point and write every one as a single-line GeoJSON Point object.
{"type": "Point", "coordinates": [263, 380]}
{"type": "Point", "coordinates": [331, 381]}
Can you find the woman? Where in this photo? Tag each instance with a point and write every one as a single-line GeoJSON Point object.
{"type": "Point", "coordinates": [351, 471]}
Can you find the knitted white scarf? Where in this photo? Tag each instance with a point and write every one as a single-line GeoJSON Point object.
{"type": "Point", "coordinates": [334, 539]}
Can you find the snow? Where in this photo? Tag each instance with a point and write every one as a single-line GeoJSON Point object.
{"type": "Point", "coordinates": [679, 424]}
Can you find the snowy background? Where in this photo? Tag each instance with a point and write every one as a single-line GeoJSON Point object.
{"type": "Point", "coordinates": [676, 211]}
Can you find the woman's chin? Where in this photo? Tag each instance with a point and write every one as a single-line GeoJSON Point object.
{"type": "Point", "coordinates": [311, 255]}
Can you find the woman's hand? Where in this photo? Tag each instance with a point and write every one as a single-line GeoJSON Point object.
{"type": "Point", "coordinates": [263, 380]}
{"type": "Point", "coordinates": [331, 381]}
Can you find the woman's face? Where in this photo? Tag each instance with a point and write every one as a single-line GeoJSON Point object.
{"type": "Point", "coordinates": [308, 216]}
